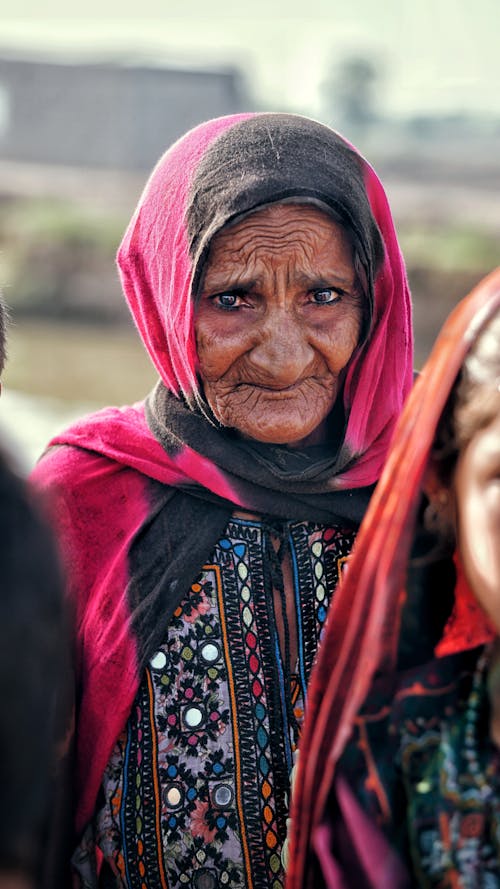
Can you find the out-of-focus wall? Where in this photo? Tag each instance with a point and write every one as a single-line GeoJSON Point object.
{"type": "Point", "coordinates": [106, 115]}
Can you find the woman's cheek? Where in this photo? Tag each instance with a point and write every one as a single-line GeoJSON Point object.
{"type": "Point", "coordinates": [211, 356]}
{"type": "Point", "coordinates": [340, 345]}
{"type": "Point", "coordinates": [219, 343]}
{"type": "Point", "coordinates": [479, 537]}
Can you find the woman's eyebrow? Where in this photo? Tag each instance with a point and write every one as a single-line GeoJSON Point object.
{"type": "Point", "coordinates": [316, 281]}
{"type": "Point", "coordinates": [219, 283]}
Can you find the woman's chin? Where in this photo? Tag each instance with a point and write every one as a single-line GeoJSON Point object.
{"type": "Point", "coordinates": [292, 437]}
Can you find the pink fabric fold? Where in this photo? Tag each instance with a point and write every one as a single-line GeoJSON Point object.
{"type": "Point", "coordinates": [365, 850]}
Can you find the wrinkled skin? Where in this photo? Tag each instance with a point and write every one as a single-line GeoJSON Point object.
{"type": "Point", "coordinates": [278, 318]}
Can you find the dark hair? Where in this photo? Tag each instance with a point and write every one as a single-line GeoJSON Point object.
{"type": "Point", "coordinates": [31, 670]}
{"type": "Point", "coordinates": [473, 402]}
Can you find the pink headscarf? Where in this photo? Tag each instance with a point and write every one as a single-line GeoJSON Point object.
{"type": "Point", "coordinates": [157, 271]}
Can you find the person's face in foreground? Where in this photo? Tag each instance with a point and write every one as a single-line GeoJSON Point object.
{"type": "Point", "coordinates": [477, 491]}
{"type": "Point", "coordinates": [278, 319]}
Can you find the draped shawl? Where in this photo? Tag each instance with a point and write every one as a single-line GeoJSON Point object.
{"type": "Point", "coordinates": [140, 494]}
{"type": "Point", "coordinates": [364, 624]}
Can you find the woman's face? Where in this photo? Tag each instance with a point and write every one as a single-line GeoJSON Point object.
{"type": "Point", "coordinates": [477, 492]}
{"type": "Point", "coordinates": [278, 319]}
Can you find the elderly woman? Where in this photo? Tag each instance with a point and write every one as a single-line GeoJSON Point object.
{"type": "Point", "coordinates": [204, 529]}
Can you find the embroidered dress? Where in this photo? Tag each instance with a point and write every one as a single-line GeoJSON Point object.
{"type": "Point", "coordinates": [141, 494]}
{"type": "Point", "coordinates": [410, 767]}
{"type": "Point", "coordinates": [452, 781]}
{"type": "Point", "coordinates": [196, 789]}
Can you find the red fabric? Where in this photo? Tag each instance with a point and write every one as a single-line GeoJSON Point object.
{"type": "Point", "coordinates": [154, 262]}
{"type": "Point", "coordinates": [84, 490]}
{"type": "Point", "coordinates": [381, 374]}
{"type": "Point", "coordinates": [98, 489]}
{"type": "Point", "coordinates": [362, 629]}
{"type": "Point", "coordinates": [368, 859]}
{"type": "Point", "coordinates": [468, 625]}
{"type": "Point", "coordinates": [122, 434]}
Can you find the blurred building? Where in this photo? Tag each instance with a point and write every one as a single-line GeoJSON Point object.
{"type": "Point", "coordinates": [107, 115]}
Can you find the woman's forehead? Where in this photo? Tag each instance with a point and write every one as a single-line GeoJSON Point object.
{"type": "Point", "coordinates": [279, 159]}
{"type": "Point", "coordinates": [283, 229]}
{"type": "Point", "coordinates": [299, 203]}
{"type": "Point", "coordinates": [299, 245]}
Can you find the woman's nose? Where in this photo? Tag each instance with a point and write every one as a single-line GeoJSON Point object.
{"type": "Point", "coordinates": [282, 353]}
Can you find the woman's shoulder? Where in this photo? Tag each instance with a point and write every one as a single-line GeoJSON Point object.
{"type": "Point", "coordinates": [96, 506]}
{"type": "Point", "coordinates": [75, 480]}
{"type": "Point", "coordinates": [67, 464]}
{"type": "Point", "coordinates": [95, 449]}
{"type": "Point", "coordinates": [92, 500]}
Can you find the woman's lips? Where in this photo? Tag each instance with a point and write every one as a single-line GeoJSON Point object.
{"type": "Point", "coordinates": [275, 390]}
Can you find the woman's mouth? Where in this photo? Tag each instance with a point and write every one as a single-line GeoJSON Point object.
{"type": "Point", "coordinates": [276, 390]}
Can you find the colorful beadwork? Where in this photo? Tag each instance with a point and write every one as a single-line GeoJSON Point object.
{"type": "Point", "coordinates": [196, 789]}
{"type": "Point", "coordinates": [411, 768]}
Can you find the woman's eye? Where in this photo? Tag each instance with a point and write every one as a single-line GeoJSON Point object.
{"type": "Point", "coordinates": [227, 300]}
{"type": "Point", "coordinates": [325, 296]}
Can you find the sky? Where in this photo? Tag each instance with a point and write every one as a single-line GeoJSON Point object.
{"type": "Point", "coordinates": [435, 56]}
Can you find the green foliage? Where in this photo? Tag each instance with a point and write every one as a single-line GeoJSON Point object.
{"type": "Point", "coordinates": [57, 220]}
{"type": "Point", "coordinates": [78, 362]}
{"type": "Point", "coordinates": [453, 248]}
{"type": "Point", "coordinates": [57, 258]}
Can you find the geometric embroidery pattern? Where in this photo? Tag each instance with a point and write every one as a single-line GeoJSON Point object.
{"type": "Point", "coordinates": [196, 788]}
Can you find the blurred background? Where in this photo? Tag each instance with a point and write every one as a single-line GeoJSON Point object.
{"type": "Point", "coordinates": [87, 105]}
